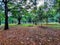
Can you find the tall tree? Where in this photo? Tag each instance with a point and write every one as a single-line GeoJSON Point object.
{"type": "Point", "coordinates": [35, 9]}
{"type": "Point", "coordinates": [40, 14]}
{"type": "Point", "coordinates": [6, 14]}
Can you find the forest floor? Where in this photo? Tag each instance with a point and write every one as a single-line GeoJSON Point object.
{"type": "Point", "coordinates": [35, 35]}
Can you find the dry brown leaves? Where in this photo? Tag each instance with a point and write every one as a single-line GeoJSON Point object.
{"type": "Point", "coordinates": [30, 36]}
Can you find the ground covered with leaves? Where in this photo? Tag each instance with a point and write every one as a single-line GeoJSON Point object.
{"type": "Point", "coordinates": [30, 36]}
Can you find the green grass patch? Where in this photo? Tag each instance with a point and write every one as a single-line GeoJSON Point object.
{"type": "Point", "coordinates": [57, 26]}
{"type": "Point", "coordinates": [24, 25]}
{"type": "Point", "coordinates": [11, 25]}
{"type": "Point", "coordinates": [27, 25]}
{"type": "Point", "coordinates": [53, 25]}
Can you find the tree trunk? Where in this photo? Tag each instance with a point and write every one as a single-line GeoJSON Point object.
{"type": "Point", "coordinates": [6, 16]}
{"type": "Point", "coordinates": [59, 19]}
{"type": "Point", "coordinates": [46, 21]}
{"type": "Point", "coordinates": [29, 20]}
{"type": "Point", "coordinates": [19, 20]}
{"type": "Point", "coordinates": [41, 23]}
{"type": "Point", "coordinates": [0, 21]}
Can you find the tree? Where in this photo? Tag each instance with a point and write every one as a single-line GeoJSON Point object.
{"type": "Point", "coordinates": [7, 9]}
{"type": "Point", "coordinates": [6, 14]}
{"type": "Point", "coordinates": [17, 10]}
{"type": "Point", "coordinates": [57, 17]}
{"type": "Point", "coordinates": [40, 14]}
{"type": "Point", "coordinates": [35, 8]}
{"type": "Point", "coordinates": [57, 5]}
{"type": "Point", "coordinates": [57, 8]}
{"type": "Point", "coordinates": [49, 12]}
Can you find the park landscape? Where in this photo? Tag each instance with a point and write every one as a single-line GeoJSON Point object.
{"type": "Point", "coordinates": [29, 22]}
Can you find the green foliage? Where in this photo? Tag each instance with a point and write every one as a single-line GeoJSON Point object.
{"type": "Point", "coordinates": [34, 15]}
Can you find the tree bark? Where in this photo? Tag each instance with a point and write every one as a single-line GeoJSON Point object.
{"type": "Point", "coordinates": [59, 19]}
{"type": "Point", "coordinates": [19, 20]}
{"type": "Point", "coordinates": [0, 21]}
{"type": "Point", "coordinates": [6, 16]}
{"type": "Point", "coordinates": [29, 20]}
{"type": "Point", "coordinates": [46, 21]}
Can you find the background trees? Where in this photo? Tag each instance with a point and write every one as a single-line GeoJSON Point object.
{"type": "Point", "coordinates": [25, 11]}
{"type": "Point", "coordinates": [57, 8]}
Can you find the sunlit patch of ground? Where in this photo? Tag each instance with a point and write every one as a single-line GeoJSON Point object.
{"type": "Point", "coordinates": [35, 35]}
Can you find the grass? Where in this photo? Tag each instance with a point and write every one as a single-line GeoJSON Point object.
{"type": "Point", "coordinates": [11, 25]}
{"type": "Point", "coordinates": [27, 25]}
{"type": "Point", "coordinates": [53, 25]}
{"type": "Point", "coordinates": [31, 25]}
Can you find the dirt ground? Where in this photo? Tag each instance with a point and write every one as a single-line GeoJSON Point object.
{"type": "Point", "coordinates": [30, 36]}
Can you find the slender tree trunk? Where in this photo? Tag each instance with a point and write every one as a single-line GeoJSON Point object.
{"type": "Point", "coordinates": [19, 20]}
{"type": "Point", "coordinates": [12, 22]}
{"type": "Point", "coordinates": [6, 16]}
{"type": "Point", "coordinates": [35, 23]}
{"type": "Point", "coordinates": [46, 21]}
{"type": "Point", "coordinates": [41, 23]}
{"type": "Point", "coordinates": [59, 20]}
{"type": "Point", "coordinates": [0, 21]}
{"type": "Point", "coordinates": [29, 20]}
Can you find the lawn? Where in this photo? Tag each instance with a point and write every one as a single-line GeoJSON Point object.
{"type": "Point", "coordinates": [50, 25]}
{"type": "Point", "coordinates": [56, 26]}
